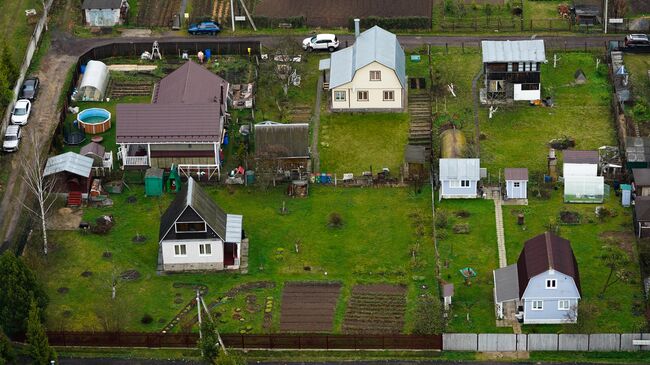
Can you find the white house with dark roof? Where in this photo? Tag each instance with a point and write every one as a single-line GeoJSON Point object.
{"type": "Point", "coordinates": [197, 235]}
{"type": "Point", "coordinates": [516, 183]}
{"type": "Point", "coordinates": [368, 76]}
{"type": "Point", "coordinates": [513, 69]}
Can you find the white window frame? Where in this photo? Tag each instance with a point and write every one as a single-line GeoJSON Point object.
{"type": "Point", "coordinates": [366, 93]}
{"type": "Point", "coordinates": [527, 66]}
{"type": "Point", "coordinates": [520, 66]}
{"type": "Point", "coordinates": [454, 184]}
{"type": "Point", "coordinates": [377, 75]}
{"type": "Point", "coordinates": [205, 227]}
{"type": "Point", "coordinates": [205, 249]}
{"type": "Point", "coordinates": [551, 284]}
{"type": "Point", "coordinates": [533, 66]}
{"type": "Point", "coordinates": [535, 307]}
{"type": "Point", "coordinates": [509, 66]}
{"type": "Point", "coordinates": [180, 250]}
{"type": "Point", "coordinates": [561, 307]}
{"type": "Point", "coordinates": [464, 183]}
{"type": "Point", "coordinates": [391, 93]}
{"type": "Point", "coordinates": [340, 95]}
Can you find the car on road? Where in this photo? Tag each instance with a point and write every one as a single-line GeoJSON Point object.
{"type": "Point", "coordinates": [321, 42]}
{"type": "Point", "coordinates": [29, 90]}
{"type": "Point", "coordinates": [20, 113]}
{"type": "Point", "coordinates": [12, 138]}
{"type": "Point", "coordinates": [637, 40]}
{"type": "Point", "coordinates": [207, 27]}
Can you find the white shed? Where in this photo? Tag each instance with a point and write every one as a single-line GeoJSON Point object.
{"type": "Point", "coordinates": [516, 183]}
{"type": "Point", "coordinates": [104, 13]}
{"type": "Point", "coordinates": [94, 82]}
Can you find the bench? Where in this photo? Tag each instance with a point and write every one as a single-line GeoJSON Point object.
{"type": "Point", "coordinates": [641, 342]}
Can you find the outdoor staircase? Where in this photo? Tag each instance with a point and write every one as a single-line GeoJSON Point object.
{"type": "Point", "coordinates": [74, 199]}
{"type": "Point", "coordinates": [420, 127]}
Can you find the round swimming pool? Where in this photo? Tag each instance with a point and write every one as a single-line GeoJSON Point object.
{"type": "Point", "coordinates": [95, 120]}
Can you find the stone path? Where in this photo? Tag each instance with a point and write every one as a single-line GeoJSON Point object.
{"type": "Point", "coordinates": [315, 125]}
{"type": "Point", "coordinates": [495, 195]}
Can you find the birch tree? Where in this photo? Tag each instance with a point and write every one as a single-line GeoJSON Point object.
{"type": "Point", "coordinates": [41, 188]}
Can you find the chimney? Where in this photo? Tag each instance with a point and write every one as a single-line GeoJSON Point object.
{"type": "Point", "coordinates": [356, 28]}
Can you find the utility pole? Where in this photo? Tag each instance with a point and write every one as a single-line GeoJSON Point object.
{"type": "Point", "coordinates": [606, 20]}
{"type": "Point", "coordinates": [232, 14]}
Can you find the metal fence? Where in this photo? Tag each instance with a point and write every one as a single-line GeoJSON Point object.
{"type": "Point", "coordinates": [489, 342]}
{"type": "Point", "coordinates": [269, 341]}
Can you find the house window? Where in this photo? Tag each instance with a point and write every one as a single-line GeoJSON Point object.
{"type": "Point", "coordinates": [339, 95]}
{"type": "Point", "coordinates": [190, 227]}
{"type": "Point", "coordinates": [205, 249]}
{"type": "Point", "coordinates": [551, 284]}
{"type": "Point", "coordinates": [527, 66]}
{"type": "Point", "coordinates": [520, 67]}
{"type": "Point", "coordinates": [516, 184]}
{"type": "Point", "coordinates": [538, 305]}
{"type": "Point", "coordinates": [389, 95]}
{"type": "Point", "coordinates": [464, 183]}
{"type": "Point", "coordinates": [529, 86]}
{"type": "Point", "coordinates": [362, 96]}
{"type": "Point", "coordinates": [375, 75]}
{"type": "Point", "coordinates": [509, 66]}
{"type": "Point", "coordinates": [563, 305]}
{"type": "Point", "coordinates": [180, 250]}
{"type": "Point", "coordinates": [496, 86]}
{"type": "Point", "coordinates": [533, 66]}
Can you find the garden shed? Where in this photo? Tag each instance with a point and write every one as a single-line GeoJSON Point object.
{"type": "Point", "coordinates": [104, 13]}
{"type": "Point", "coordinates": [94, 82]}
{"type": "Point", "coordinates": [516, 183]}
{"type": "Point", "coordinates": [641, 182]}
{"type": "Point", "coordinates": [579, 77]}
{"type": "Point", "coordinates": [642, 216]}
{"type": "Point", "coordinates": [415, 158]}
{"type": "Point", "coordinates": [153, 182]}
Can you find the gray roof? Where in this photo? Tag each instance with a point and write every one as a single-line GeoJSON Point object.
{"type": "Point", "coordinates": [637, 149]}
{"type": "Point", "coordinates": [71, 162]}
{"type": "Point", "coordinates": [506, 283]}
{"type": "Point", "coordinates": [460, 169]}
{"type": "Point", "coordinates": [448, 290]}
{"type": "Point", "coordinates": [642, 208]}
{"type": "Point", "coordinates": [195, 197]}
{"type": "Point", "coordinates": [581, 157]}
{"type": "Point", "coordinates": [150, 123]}
{"type": "Point", "coordinates": [516, 174]}
{"type": "Point", "coordinates": [641, 177]}
{"type": "Point", "coordinates": [93, 148]}
{"type": "Point", "coordinates": [373, 45]}
{"type": "Point", "coordinates": [513, 51]}
{"type": "Point", "coordinates": [101, 4]}
{"type": "Point", "coordinates": [282, 140]}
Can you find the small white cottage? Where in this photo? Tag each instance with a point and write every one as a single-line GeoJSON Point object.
{"type": "Point", "coordinates": [105, 13]}
{"type": "Point", "coordinates": [459, 178]}
{"type": "Point", "coordinates": [516, 183]}
{"type": "Point", "coordinates": [197, 235]}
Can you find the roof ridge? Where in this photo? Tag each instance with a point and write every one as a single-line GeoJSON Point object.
{"type": "Point", "coordinates": [549, 250]}
{"type": "Point", "coordinates": [190, 192]}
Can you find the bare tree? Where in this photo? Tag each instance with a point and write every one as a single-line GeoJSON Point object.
{"type": "Point", "coordinates": [33, 165]}
{"type": "Point", "coordinates": [617, 262]}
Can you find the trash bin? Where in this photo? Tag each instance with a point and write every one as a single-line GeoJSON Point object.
{"type": "Point", "coordinates": [250, 177]}
{"type": "Point", "coordinates": [153, 182]}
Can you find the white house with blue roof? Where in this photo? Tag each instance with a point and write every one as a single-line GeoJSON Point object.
{"type": "Point", "coordinates": [368, 76]}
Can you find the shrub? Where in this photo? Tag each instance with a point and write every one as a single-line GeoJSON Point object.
{"type": "Point", "coordinates": [429, 312]}
{"type": "Point", "coordinates": [335, 220]}
{"type": "Point", "coordinates": [146, 318]}
{"type": "Point", "coordinates": [408, 22]}
{"type": "Point", "coordinates": [461, 228]}
{"type": "Point", "coordinates": [442, 219]}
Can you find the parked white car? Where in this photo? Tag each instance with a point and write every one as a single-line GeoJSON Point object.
{"type": "Point", "coordinates": [21, 111]}
{"type": "Point", "coordinates": [321, 42]}
{"type": "Point", "coordinates": [12, 138]}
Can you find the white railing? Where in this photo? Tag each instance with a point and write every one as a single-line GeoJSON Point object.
{"type": "Point", "coordinates": [136, 161]}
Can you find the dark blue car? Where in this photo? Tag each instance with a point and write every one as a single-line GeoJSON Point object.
{"type": "Point", "coordinates": [208, 27]}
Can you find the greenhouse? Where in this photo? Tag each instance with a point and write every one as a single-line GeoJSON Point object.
{"type": "Point", "coordinates": [584, 189]}
{"type": "Point", "coordinates": [93, 83]}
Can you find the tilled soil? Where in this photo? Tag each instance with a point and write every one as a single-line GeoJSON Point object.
{"type": "Point", "coordinates": [309, 307]}
{"type": "Point", "coordinates": [375, 309]}
{"type": "Point", "coordinates": [157, 13]}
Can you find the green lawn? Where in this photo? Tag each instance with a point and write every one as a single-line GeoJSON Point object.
{"type": "Point", "coordinates": [370, 247]}
{"type": "Point", "coordinates": [517, 135]}
{"type": "Point", "coordinates": [620, 310]}
{"type": "Point", "coordinates": [16, 31]}
{"type": "Point", "coordinates": [355, 142]}
{"type": "Point", "coordinates": [638, 66]}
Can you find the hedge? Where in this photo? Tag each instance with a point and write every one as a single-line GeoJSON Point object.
{"type": "Point", "coordinates": [266, 22]}
{"type": "Point", "coordinates": [410, 22]}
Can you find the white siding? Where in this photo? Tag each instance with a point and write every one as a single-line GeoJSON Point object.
{"type": "Point", "coordinates": [520, 94]}
{"type": "Point", "coordinates": [361, 82]}
{"type": "Point", "coordinates": [579, 169]}
{"type": "Point", "coordinates": [102, 17]}
{"type": "Point", "coordinates": [192, 256]}
{"type": "Point", "coordinates": [513, 192]}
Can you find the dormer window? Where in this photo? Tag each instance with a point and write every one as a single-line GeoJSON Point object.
{"type": "Point", "coordinates": [551, 283]}
{"type": "Point", "coordinates": [375, 75]}
{"type": "Point", "coordinates": [190, 227]}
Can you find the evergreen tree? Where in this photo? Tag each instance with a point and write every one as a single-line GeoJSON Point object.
{"type": "Point", "coordinates": [7, 355]}
{"type": "Point", "coordinates": [18, 287]}
{"type": "Point", "coordinates": [39, 348]}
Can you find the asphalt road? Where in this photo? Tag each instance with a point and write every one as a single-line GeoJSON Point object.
{"type": "Point", "coordinates": [373, 362]}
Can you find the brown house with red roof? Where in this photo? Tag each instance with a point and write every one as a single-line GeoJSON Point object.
{"type": "Point", "coordinates": [184, 125]}
{"type": "Point", "coordinates": [544, 284]}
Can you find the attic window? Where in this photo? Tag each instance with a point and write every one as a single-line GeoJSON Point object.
{"type": "Point", "coordinates": [190, 227]}
{"type": "Point", "coordinates": [375, 75]}
{"type": "Point", "coordinates": [551, 284]}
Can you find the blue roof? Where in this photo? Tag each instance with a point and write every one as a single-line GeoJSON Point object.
{"type": "Point", "coordinates": [373, 45]}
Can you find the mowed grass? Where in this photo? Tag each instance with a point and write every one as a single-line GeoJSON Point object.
{"type": "Point", "coordinates": [618, 311]}
{"type": "Point", "coordinates": [355, 142]}
{"type": "Point", "coordinates": [16, 30]}
{"type": "Point", "coordinates": [473, 305]}
{"type": "Point", "coordinates": [518, 135]}
{"type": "Point", "coordinates": [371, 246]}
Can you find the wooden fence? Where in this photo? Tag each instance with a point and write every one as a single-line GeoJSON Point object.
{"type": "Point", "coordinates": [269, 341]}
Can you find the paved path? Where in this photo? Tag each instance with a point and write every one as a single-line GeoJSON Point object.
{"type": "Point", "coordinates": [495, 194]}
{"type": "Point", "coordinates": [315, 125]}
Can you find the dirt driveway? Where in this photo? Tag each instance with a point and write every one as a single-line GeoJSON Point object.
{"type": "Point", "coordinates": [52, 74]}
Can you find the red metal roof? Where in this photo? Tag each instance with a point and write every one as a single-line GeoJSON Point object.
{"type": "Point", "coordinates": [151, 123]}
{"type": "Point", "coordinates": [516, 174]}
{"type": "Point", "coordinates": [191, 84]}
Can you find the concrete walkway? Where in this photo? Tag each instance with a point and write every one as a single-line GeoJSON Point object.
{"type": "Point", "coordinates": [495, 195]}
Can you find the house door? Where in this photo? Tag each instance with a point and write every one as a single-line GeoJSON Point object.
{"type": "Point", "coordinates": [229, 253]}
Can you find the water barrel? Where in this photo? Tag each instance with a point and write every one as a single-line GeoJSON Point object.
{"type": "Point", "coordinates": [250, 177]}
{"type": "Point", "coordinates": [208, 53]}
{"type": "Point", "coordinates": [226, 139]}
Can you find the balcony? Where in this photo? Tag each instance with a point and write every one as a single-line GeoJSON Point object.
{"type": "Point", "coordinates": [136, 161]}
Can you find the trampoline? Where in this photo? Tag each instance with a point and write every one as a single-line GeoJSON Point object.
{"type": "Point", "coordinates": [73, 136]}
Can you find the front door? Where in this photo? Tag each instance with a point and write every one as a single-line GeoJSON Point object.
{"type": "Point", "coordinates": [229, 253]}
